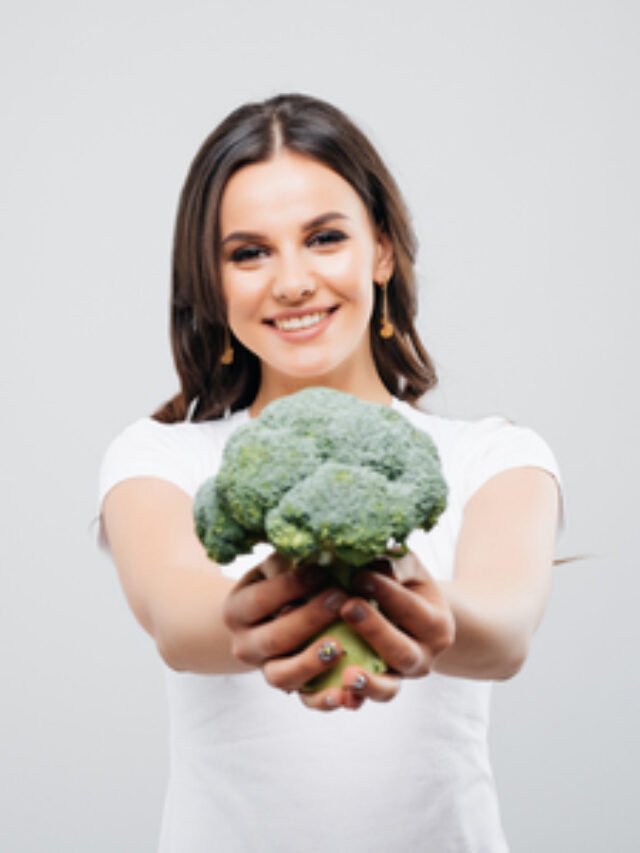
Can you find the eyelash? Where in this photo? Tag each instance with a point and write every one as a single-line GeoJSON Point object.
{"type": "Point", "coordinates": [326, 237]}
{"type": "Point", "coordinates": [323, 238]}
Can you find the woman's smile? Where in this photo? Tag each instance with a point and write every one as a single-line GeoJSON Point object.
{"type": "Point", "coordinates": [293, 324]}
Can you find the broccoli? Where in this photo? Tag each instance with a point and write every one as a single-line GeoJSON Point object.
{"type": "Point", "coordinates": [325, 478]}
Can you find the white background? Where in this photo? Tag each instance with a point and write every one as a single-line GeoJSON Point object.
{"type": "Point", "coordinates": [513, 129]}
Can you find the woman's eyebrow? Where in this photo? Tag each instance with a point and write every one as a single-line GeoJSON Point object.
{"type": "Point", "coordinates": [316, 222]}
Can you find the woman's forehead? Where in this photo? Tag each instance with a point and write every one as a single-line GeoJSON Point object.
{"type": "Point", "coordinates": [288, 188]}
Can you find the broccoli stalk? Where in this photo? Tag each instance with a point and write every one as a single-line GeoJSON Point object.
{"type": "Point", "coordinates": [325, 478]}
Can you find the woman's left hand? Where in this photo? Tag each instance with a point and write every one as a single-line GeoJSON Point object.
{"type": "Point", "coordinates": [412, 624]}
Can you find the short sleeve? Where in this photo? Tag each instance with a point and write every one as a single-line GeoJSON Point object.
{"type": "Point", "coordinates": [146, 448]}
{"type": "Point", "coordinates": [495, 444]}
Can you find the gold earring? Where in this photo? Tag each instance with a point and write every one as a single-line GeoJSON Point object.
{"type": "Point", "coordinates": [387, 329]}
{"type": "Point", "coordinates": [227, 354]}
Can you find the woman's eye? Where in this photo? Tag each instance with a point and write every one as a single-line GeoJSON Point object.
{"type": "Point", "coordinates": [323, 238]}
{"type": "Point", "coordinates": [247, 253]}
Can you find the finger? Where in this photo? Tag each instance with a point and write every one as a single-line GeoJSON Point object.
{"type": "Point", "coordinates": [407, 569]}
{"type": "Point", "coordinates": [400, 651]}
{"type": "Point", "coordinates": [429, 621]}
{"type": "Point", "coordinates": [256, 597]}
{"type": "Point", "coordinates": [324, 700]}
{"type": "Point", "coordinates": [293, 673]}
{"type": "Point", "coordinates": [274, 564]}
{"type": "Point", "coordinates": [290, 631]}
{"type": "Point", "coordinates": [410, 569]}
{"type": "Point", "coordinates": [359, 684]}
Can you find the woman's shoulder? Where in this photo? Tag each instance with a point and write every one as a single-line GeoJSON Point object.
{"type": "Point", "coordinates": [447, 430]}
{"type": "Point", "coordinates": [474, 450]}
{"type": "Point", "coordinates": [466, 431]}
{"type": "Point", "coordinates": [180, 434]}
{"type": "Point", "coordinates": [184, 453]}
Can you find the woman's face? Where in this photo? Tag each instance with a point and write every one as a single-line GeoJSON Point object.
{"type": "Point", "coordinates": [299, 258]}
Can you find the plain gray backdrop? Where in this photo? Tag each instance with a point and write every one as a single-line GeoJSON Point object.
{"type": "Point", "coordinates": [513, 130]}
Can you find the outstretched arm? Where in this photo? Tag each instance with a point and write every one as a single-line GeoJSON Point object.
{"type": "Point", "coordinates": [178, 595]}
{"type": "Point", "coordinates": [503, 573]}
{"type": "Point", "coordinates": [174, 591]}
{"type": "Point", "coordinates": [501, 583]}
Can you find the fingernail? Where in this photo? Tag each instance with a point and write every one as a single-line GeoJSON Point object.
{"type": "Point", "coordinates": [334, 601]}
{"type": "Point", "coordinates": [356, 614]}
{"type": "Point", "coordinates": [330, 701]}
{"type": "Point", "coordinates": [328, 651]}
{"type": "Point", "coordinates": [359, 682]}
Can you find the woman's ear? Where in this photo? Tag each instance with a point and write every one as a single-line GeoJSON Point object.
{"type": "Point", "coordinates": [384, 258]}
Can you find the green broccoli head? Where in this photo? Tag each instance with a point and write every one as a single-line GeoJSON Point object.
{"type": "Point", "coordinates": [260, 466]}
{"type": "Point", "coordinates": [322, 476]}
{"type": "Point", "coordinates": [341, 512]}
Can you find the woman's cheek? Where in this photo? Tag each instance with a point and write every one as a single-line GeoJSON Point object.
{"type": "Point", "coordinates": [344, 270]}
{"type": "Point", "coordinates": [244, 292]}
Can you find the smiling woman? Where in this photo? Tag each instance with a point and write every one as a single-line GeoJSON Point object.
{"type": "Point", "coordinates": [293, 266]}
{"type": "Point", "coordinates": [299, 294]}
{"type": "Point", "coordinates": [283, 195]}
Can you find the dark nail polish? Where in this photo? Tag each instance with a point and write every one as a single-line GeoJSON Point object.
{"type": "Point", "coordinates": [356, 614]}
{"type": "Point", "coordinates": [334, 601]}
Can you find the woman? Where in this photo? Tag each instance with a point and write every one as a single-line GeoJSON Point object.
{"type": "Point", "coordinates": [293, 266]}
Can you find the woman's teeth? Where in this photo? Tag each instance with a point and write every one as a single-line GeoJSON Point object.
{"type": "Point", "coordinates": [292, 323]}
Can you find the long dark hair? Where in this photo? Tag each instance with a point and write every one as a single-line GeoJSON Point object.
{"type": "Point", "coordinates": [251, 134]}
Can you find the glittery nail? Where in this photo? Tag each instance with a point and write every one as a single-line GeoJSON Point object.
{"type": "Point", "coordinates": [328, 651]}
{"type": "Point", "coordinates": [359, 682]}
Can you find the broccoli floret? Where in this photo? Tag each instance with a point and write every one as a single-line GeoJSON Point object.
{"type": "Point", "coordinates": [260, 467]}
{"type": "Point", "coordinates": [217, 529]}
{"type": "Point", "coordinates": [324, 477]}
{"type": "Point", "coordinates": [343, 512]}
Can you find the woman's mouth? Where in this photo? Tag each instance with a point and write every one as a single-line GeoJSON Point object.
{"type": "Point", "coordinates": [302, 324]}
{"type": "Point", "coordinates": [289, 324]}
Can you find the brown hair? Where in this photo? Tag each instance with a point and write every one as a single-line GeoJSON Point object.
{"type": "Point", "coordinates": [251, 134]}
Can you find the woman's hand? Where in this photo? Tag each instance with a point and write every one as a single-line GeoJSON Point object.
{"type": "Point", "coordinates": [411, 626]}
{"type": "Point", "coordinates": [273, 612]}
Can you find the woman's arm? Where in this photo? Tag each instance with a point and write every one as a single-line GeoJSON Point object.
{"type": "Point", "coordinates": [501, 583]}
{"type": "Point", "coordinates": [503, 573]}
{"type": "Point", "coordinates": [175, 591]}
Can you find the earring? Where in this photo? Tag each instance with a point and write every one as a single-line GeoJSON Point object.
{"type": "Point", "coordinates": [387, 329]}
{"type": "Point", "coordinates": [227, 354]}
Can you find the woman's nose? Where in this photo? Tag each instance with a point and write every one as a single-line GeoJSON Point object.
{"type": "Point", "coordinates": [293, 280]}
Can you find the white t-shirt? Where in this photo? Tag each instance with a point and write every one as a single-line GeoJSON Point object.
{"type": "Point", "coordinates": [252, 769]}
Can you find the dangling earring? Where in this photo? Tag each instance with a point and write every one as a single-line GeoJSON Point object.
{"type": "Point", "coordinates": [387, 329]}
{"type": "Point", "coordinates": [227, 354]}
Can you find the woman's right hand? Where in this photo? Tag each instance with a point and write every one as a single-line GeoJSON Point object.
{"type": "Point", "coordinates": [272, 614]}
